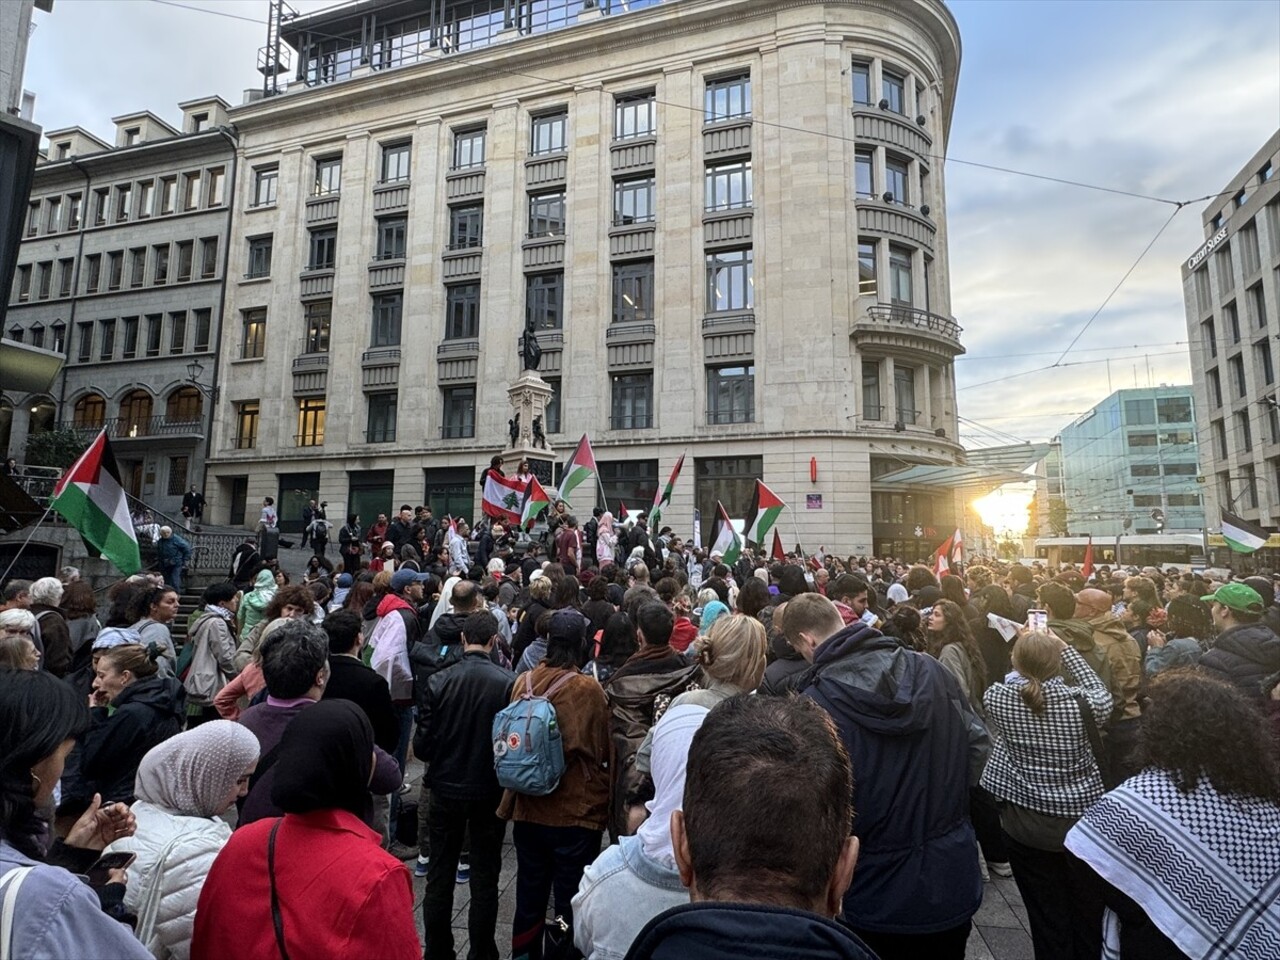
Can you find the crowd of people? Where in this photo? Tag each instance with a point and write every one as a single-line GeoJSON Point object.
{"type": "Point", "coordinates": [819, 756]}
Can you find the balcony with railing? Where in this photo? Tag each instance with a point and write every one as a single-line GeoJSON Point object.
{"type": "Point", "coordinates": [932, 330]}
{"type": "Point", "coordinates": [141, 428]}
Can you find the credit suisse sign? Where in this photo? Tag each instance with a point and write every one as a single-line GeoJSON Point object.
{"type": "Point", "coordinates": [1198, 257]}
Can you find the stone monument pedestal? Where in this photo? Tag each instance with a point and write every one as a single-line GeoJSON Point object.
{"type": "Point", "coordinates": [529, 396]}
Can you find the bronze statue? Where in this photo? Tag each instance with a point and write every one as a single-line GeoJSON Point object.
{"type": "Point", "coordinates": [539, 438]}
{"type": "Point", "coordinates": [530, 352]}
{"type": "Point", "coordinates": [513, 428]}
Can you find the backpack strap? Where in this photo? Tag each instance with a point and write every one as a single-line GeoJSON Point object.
{"type": "Point", "coordinates": [277, 918]}
{"type": "Point", "coordinates": [568, 675]}
{"type": "Point", "coordinates": [11, 883]}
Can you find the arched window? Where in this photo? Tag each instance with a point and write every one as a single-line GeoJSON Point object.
{"type": "Point", "coordinates": [135, 414]}
{"type": "Point", "coordinates": [90, 411]}
{"type": "Point", "coordinates": [184, 406]}
{"type": "Point", "coordinates": [43, 412]}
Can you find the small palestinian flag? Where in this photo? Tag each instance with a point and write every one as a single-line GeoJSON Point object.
{"type": "Point", "coordinates": [724, 539]}
{"type": "Point", "coordinates": [762, 514]}
{"type": "Point", "coordinates": [90, 496]}
{"type": "Point", "coordinates": [778, 553]}
{"type": "Point", "coordinates": [535, 501]}
{"type": "Point", "coordinates": [580, 466]}
{"type": "Point", "coordinates": [663, 497]}
{"type": "Point", "coordinates": [1241, 535]}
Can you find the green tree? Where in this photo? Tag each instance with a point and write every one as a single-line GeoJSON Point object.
{"type": "Point", "coordinates": [55, 448]}
{"type": "Point", "coordinates": [1058, 516]}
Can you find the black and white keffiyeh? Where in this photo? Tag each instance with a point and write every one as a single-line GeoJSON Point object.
{"type": "Point", "coordinates": [1203, 866]}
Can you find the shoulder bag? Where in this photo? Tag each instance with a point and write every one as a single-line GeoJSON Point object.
{"type": "Point", "coordinates": [11, 883]}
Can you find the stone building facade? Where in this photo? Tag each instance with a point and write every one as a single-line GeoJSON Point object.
{"type": "Point", "coordinates": [724, 218]}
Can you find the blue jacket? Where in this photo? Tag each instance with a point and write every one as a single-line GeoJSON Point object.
{"type": "Point", "coordinates": [173, 551]}
{"type": "Point", "coordinates": [916, 747]}
{"type": "Point", "coordinates": [745, 931]}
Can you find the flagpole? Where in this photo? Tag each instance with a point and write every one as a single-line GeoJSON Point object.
{"type": "Point", "coordinates": [5, 576]}
{"type": "Point", "coordinates": [796, 524]}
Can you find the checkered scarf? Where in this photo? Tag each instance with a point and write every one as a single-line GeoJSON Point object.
{"type": "Point", "coordinates": [1203, 866]}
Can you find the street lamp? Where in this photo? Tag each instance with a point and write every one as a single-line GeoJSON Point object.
{"type": "Point", "coordinates": [195, 370]}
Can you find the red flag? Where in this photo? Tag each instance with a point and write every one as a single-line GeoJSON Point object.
{"type": "Point", "coordinates": [941, 564]}
{"type": "Point", "coordinates": [957, 547]}
{"type": "Point", "coordinates": [778, 553]}
{"type": "Point", "coordinates": [1087, 570]}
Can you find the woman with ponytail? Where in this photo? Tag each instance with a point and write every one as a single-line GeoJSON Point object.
{"type": "Point", "coordinates": [1043, 718]}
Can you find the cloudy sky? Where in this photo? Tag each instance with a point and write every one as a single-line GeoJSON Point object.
{"type": "Point", "coordinates": [1168, 99]}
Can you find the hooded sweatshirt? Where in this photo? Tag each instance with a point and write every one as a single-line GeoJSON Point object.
{"type": "Point", "coordinates": [1125, 659]}
{"type": "Point", "coordinates": [146, 712]}
{"type": "Point", "coordinates": [902, 715]}
{"type": "Point", "coordinates": [740, 931]}
{"type": "Point", "coordinates": [254, 605]}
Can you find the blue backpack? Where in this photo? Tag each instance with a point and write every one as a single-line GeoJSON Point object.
{"type": "Point", "coordinates": [528, 755]}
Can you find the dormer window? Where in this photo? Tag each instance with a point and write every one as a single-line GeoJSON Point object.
{"type": "Point", "coordinates": [132, 135]}
{"type": "Point", "coordinates": [199, 121]}
{"type": "Point", "coordinates": [63, 150]}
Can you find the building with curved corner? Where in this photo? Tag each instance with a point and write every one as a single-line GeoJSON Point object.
{"type": "Point", "coordinates": [726, 219]}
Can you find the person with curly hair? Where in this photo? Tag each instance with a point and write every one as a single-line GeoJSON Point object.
{"type": "Point", "coordinates": [1186, 854]}
{"type": "Point", "coordinates": [951, 643]}
{"type": "Point", "coordinates": [1184, 637]}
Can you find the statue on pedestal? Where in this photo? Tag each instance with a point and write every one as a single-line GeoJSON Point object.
{"type": "Point", "coordinates": [530, 352]}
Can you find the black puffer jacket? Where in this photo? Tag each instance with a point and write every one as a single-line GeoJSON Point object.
{"type": "Point", "coordinates": [1244, 655]}
{"type": "Point", "coordinates": [455, 727]}
{"type": "Point", "coordinates": [146, 713]}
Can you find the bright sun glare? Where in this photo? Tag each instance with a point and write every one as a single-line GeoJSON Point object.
{"type": "Point", "coordinates": [1005, 510]}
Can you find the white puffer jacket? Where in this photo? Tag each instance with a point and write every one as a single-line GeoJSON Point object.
{"type": "Point", "coordinates": [181, 878]}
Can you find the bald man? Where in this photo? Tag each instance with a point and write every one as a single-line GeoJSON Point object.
{"type": "Point", "coordinates": [1125, 658]}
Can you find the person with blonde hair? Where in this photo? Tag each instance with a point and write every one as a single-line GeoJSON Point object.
{"type": "Point", "coordinates": [1043, 766]}
{"type": "Point", "coordinates": [18, 649]}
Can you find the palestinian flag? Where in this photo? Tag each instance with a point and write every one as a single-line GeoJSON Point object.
{"type": "Point", "coordinates": [778, 553]}
{"type": "Point", "coordinates": [663, 497]}
{"type": "Point", "coordinates": [762, 514]}
{"type": "Point", "coordinates": [91, 498]}
{"type": "Point", "coordinates": [580, 466]}
{"type": "Point", "coordinates": [1241, 535]}
{"type": "Point", "coordinates": [502, 498]}
{"type": "Point", "coordinates": [535, 501]}
{"type": "Point", "coordinates": [724, 539]}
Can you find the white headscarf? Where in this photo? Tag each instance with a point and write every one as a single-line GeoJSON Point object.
{"type": "Point", "coordinates": [191, 773]}
{"type": "Point", "coordinates": [671, 739]}
{"type": "Point", "coordinates": [445, 603]}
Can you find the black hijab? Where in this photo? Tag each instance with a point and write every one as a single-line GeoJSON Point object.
{"type": "Point", "coordinates": [326, 761]}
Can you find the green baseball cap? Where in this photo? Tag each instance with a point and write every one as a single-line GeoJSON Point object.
{"type": "Point", "coordinates": [1238, 596]}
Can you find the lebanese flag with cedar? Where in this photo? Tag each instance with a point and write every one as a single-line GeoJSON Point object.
{"type": "Point", "coordinates": [503, 498]}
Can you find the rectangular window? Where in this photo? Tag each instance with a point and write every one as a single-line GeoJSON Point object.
{"type": "Point", "coordinates": [462, 312]}
{"type": "Point", "coordinates": [1257, 302]}
{"type": "Point", "coordinates": [395, 162]}
{"type": "Point", "coordinates": [129, 329]}
{"type": "Point", "coordinates": [33, 218]}
{"type": "Point", "coordinates": [186, 254]}
{"type": "Point", "coordinates": [1264, 362]}
{"type": "Point", "coordinates": [132, 135]}
{"type": "Point", "coordinates": [553, 405]}
{"type": "Point", "coordinates": [468, 148]}
{"type": "Point", "coordinates": [101, 202]}
{"type": "Point", "coordinates": [731, 280]}
{"type": "Point", "coordinates": [24, 283]}
{"type": "Point", "coordinates": [107, 342]}
{"type": "Point", "coordinates": [900, 280]}
{"type": "Point", "coordinates": [208, 258]}
{"type": "Point", "coordinates": [155, 322]}
{"type": "Point", "coordinates": [318, 317]}
{"type": "Point", "coordinates": [264, 186]}
{"type": "Point", "coordinates": [1174, 409]}
{"type": "Point", "coordinates": [388, 308]}
{"type": "Point", "coordinates": [633, 116]}
{"type": "Point", "coordinates": [391, 238]}
{"type": "Point", "coordinates": [729, 186]}
{"type": "Point", "coordinates": [1139, 441]}
{"type": "Point", "coordinates": [168, 194]}
{"type": "Point", "coordinates": [871, 390]}
{"type": "Point", "coordinates": [160, 264]}
{"type": "Point", "coordinates": [217, 186]}
{"type": "Point", "coordinates": [631, 401]}
{"type": "Point", "coordinates": [146, 198]}
{"type": "Point", "coordinates": [74, 205]}
{"type": "Point", "coordinates": [247, 424]}
{"type": "Point", "coordinates": [37, 337]}
{"type": "Point", "coordinates": [1180, 469]}
{"type": "Point", "coordinates": [328, 176]}
{"type": "Point", "coordinates": [459, 412]}
{"type": "Point", "coordinates": [866, 267]}
{"type": "Point", "coordinates": [633, 201]}
{"type": "Point", "coordinates": [466, 226]}
{"type": "Point", "coordinates": [1245, 429]}
{"type": "Point", "coordinates": [896, 177]}
{"type": "Point", "coordinates": [549, 134]}
{"type": "Point", "coordinates": [728, 98]}
{"type": "Point", "coordinates": [177, 476]}
{"type": "Point", "coordinates": [115, 269]}
{"type": "Point", "coordinates": [1146, 499]}
{"type": "Point", "coordinates": [1139, 412]}
{"type": "Point", "coordinates": [544, 301]}
{"type": "Point", "coordinates": [1250, 258]}
{"type": "Point", "coordinates": [1226, 274]}
{"type": "Point", "coordinates": [1215, 388]}
{"type": "Point", "coordinates": [324, 249]}
{"type": "Point", "coordinates": [1144, 470]}
{"type": "Point", "coordinates": [894, 89]}
{"type": "Point", "coordinates": [92, 273]}
{"type": "Point", "coordinates": [124, 193]}
{"type": "Point", "coordinates": [864, 183]}
{"type": "Point", "coordinates": [137, 266]}
{"type": "Point", "coordinates": [259, 257]}
{"type": "Point", "coordinates": [1209, 337]}
{"type": "Point", "coordinates": [860, 77]}
{"type": "Point", "coordinates": [633, 292]}
{"type": "Point", "coordinates": [84, 352]}
{"type": "Point", "coordinates": [177, 332]}
{"type": "Point", "coordinates": [59, 343]}
{"type": "Point", "coordinates": [1237, 375]}
{"type": "Point", "coordinates": [731, 394]}
{"type": "Point", "coordinates": [1265, 173]}
{"type": "Point", "coordinates": [53, 215]}
{"type": "Point", "coordinates": [904, 392]}
{"type": "Point", "coordinates": [381, 426]}
{"type": "Point", "coordinates": [311, 412]}
{"type": "Point", "coordinates": [1204, 297]}
{"type": "Point", "coordinates": [44, 282]}
{"type": "Point", "coordinates": [204, 324]}
{"type": "Point", "coordinates": [546, 215]}
{"type": "Point", "coordinates": [1184, 499]}
{"type": "Point", "coordinates": [66, 270]}
{"type": "Point", "coordinates": [190, 191]}
{"type": "Point", "coordinates": [253, 343]}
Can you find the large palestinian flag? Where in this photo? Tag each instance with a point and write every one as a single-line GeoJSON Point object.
{"type": "Point", "coordinates": [535, 501]}
{"type": "Point", "coordinates": [91, 498]}
{"type": "Point", "coordinates": [1241, 535]}
{"type": "Point", "coordinates": [762, 514]}
{"type": "Point", "coordinates": [580, 467]}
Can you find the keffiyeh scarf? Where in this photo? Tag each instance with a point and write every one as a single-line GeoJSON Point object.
{"type": "Point", "coordinates": [1205, 867]}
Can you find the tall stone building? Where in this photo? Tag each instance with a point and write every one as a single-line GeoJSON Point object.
{"type": "Point", "coordinates": [725, 219]}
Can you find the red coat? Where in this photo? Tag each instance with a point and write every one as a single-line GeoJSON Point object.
{"type": "Point", "coordinates": [341, 895]}
{"type": "Point", "coordinates": [683, 633]}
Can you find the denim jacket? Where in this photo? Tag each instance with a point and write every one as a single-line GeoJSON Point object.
{"type": "Point", "coordinates": [621, 892]}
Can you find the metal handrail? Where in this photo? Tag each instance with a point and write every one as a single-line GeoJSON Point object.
{"type": "Point", "coordinates": [912, 317]}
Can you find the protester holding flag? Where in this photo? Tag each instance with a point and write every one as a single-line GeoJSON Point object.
{"type": "Point", "coordinates": [763, 513]}
{"type": "Point", "coordinates": [90, 496]}
{"type": "Point", "coordinates": [663, 497]}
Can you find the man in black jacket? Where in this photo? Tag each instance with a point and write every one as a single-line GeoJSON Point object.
{"type": "Point", "coordinates": [400, 531]}
{"type": "Point", "coordinates": [350, 679]}
{"type": "Point", "coordinates": [454, 739]}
